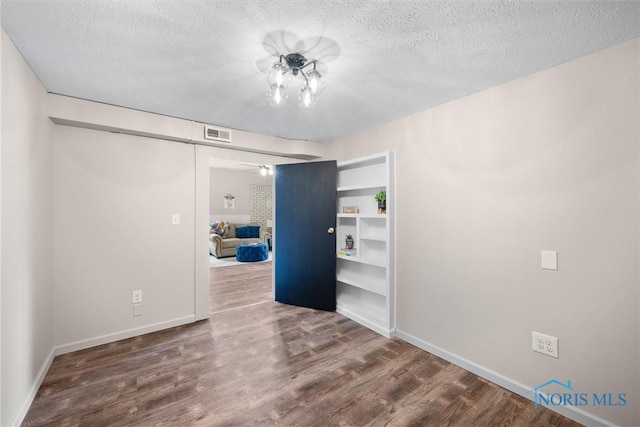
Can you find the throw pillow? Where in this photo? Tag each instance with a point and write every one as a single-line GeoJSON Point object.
{"type": "Point", "coordinates": [248, 232]}
{"type": "Point", "coordinates": [219, 227]}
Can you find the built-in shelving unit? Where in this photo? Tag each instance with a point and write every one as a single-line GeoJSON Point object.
{"type": "Point", "coordinates": [366, 276]}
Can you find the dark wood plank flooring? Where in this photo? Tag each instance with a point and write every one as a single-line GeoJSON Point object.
{"type": "Point", "coordinates": [241, 285]}
{"type": "Point", "coordinates": [271, 364]}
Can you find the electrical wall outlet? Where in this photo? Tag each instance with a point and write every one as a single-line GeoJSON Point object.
{"type": "Point", "coordinates": [137, 297]}
{"type": "Point", "coordinates": [544, 344]}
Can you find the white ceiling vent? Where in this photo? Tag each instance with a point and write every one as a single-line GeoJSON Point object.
{"type": "Point", "coordinates": [216, 134]}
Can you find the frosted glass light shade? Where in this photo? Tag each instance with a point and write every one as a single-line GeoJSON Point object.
{"type": "Point", "coordinates": [277, 96]}
{"type": "Point", "coordinates": [307, 99]}
{"type": "Point", "coordinates": [294, 69]}
{"type": "Point", "coordinates": [279, 76]}
{"type": "Point", "coordinates": [316, 83]}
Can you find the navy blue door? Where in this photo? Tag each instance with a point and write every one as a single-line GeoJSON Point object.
{"type": "Point", "coordinates": [305, 249]}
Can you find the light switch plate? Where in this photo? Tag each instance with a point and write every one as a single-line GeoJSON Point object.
{"type": "Point", "coordinates": [550, 260]}
{"type": "Point", "coordinates": [175, 219]}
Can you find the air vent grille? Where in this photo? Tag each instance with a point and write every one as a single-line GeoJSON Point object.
{"type": "Point", "coordinates": [216, 134]}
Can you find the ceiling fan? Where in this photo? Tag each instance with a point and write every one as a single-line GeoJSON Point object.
{"type": "Point", "coordinates": [264, 169]}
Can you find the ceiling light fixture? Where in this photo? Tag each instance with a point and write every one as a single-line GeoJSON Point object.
{"type": "Point", "coordinates": [264, 170]}
{"type": "Point", "coordinates": [280, 75]}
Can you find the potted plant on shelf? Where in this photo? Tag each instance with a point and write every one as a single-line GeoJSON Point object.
{"type": "Point", "coordinates": [349, 241]}
{"type": "Point", "coordinates": [381, 197]}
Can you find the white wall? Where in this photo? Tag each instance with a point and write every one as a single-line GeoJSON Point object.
{"type": "Point", "coordinates": [484, 183]}
{"type": "Point", "coordinates": [26, 234]}
{"type": "Point", "coordinates": [86, 220]}
{"type": "Point", "coordinates": [2, 36]}
{"type": "Point", "coordinates": [94, 115]}
{"type": "Point", "coordinates": [236, 182]}
{"type": "Point", "coordinates": [114, 196]}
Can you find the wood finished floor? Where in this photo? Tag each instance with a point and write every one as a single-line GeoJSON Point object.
{"type": "Point", "coordinates": [239, 285]}
{"type": "Point", "coordinates": [271, 364]}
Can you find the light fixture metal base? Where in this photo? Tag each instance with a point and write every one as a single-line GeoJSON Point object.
{"type": "Point", "coordinates": [295, 60]}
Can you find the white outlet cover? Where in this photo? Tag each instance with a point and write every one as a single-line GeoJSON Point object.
{"type": "Point", "coordinates": [136, 297]}
{"type": "Point", "coordinates": [550, 260]}
{"type": "Point", "coordinates": [544, 344]}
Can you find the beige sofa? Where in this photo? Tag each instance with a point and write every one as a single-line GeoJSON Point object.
{"type": "Point", "coordinates": [221, 247]}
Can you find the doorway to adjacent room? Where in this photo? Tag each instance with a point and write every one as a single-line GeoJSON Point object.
{"type": "Point", "coordinates": [240, 194]}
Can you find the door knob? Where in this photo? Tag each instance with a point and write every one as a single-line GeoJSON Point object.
{"type": "Point", "coordinates": [331, 230]}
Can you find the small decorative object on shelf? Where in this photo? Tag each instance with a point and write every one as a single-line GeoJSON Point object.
{"type": "Point", "coordinates": [349, 241]}
{"type": "Point", "coordinates": [347, 252]}
{"type": "Point", "coordinates": [381, 197]}
{"type": "Point", "coordinates": [350, 209]}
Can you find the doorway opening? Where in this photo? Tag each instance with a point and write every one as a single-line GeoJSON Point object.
{"type": "Point", "coordinates": [240, 196]}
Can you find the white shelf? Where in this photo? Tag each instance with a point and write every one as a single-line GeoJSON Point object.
{"type": "Point", "coordinates": [373, 323]}
{"type": "Point", "coordinates": [360, 187]}
{"type": "Point", "coordinates": [363, 216]}
{"type": "Point", "coordinates": [346, 215]}
{"type": "Point", "coordinates": [362, 260]}
{"type": "Point", "coordinates": [374, 238]}
{"type": "Point", "coordinates": [366, 279]}
{"type": "Point", "coordinates": [361, 162]}
{"type": "Point", "coordinates": [371, 287]}
{"type": "Point", "coordinates": [365, 308]}
{"type": "Point", "coordinates": [368, 311]}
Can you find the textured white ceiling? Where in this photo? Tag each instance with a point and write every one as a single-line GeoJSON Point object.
{"type": "Point", "coordinates": [204, 60]}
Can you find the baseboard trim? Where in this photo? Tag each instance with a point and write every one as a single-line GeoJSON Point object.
{"type": "Point", "coordinates": [122, 335]}
{"type": "Point", "coordinates": [387, 333]}
{"type": "Point", "coordinates": [91, 342]}
{"type": "Point", "coordinates": [37, 381]}
{"type": "Point", "coordinates": [523, 390]}
{"type": "Point", "coordinates": [574, 413]}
